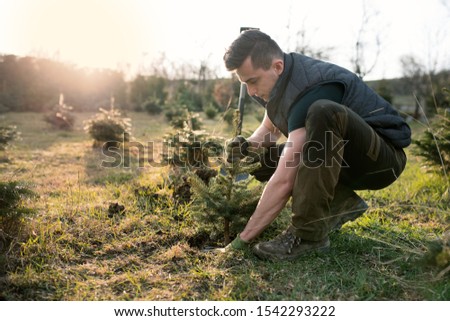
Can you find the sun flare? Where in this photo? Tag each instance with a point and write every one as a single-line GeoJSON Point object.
{"type": "Point", "coordinates": [86, 33]}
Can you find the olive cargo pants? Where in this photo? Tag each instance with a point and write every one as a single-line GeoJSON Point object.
{"type": "Point", "coordinates": [342, 153]}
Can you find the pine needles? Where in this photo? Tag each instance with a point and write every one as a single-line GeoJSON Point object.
{"type": "Point", "coordinates": [230, 197]}
{"type": "Point", "coordinates": [226, 198]}
{"type": "Point", "coordinates": [109, 126]}
{"type": "Point", "coordinates": [12, 209]}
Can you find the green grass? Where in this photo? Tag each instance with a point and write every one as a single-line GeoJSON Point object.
{"type": "Point", "coordinates": [73, 248]}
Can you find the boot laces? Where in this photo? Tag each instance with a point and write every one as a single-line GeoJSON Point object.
{"type": "Point", "coordinates": [288, 240]}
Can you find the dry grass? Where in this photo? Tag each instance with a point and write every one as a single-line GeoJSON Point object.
{"type": "Point", "coordinates": [75, 249]}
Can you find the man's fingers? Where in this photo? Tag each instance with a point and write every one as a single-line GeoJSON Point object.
{"type": "Point", "coordinates": [215, 250]}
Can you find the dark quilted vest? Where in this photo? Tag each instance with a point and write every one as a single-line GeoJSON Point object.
{"type": "Point", "coordinates": [302, 73]}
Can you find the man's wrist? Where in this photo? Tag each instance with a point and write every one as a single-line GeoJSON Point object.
{"type": "Point", "coordinates": [239, 244]}
{"type": "Point", "coordinates": [252, 143]}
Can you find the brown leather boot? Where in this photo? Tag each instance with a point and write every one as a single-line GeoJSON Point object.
{"type": "Point", "coordinates": [349, 209]}
{"type": "Point", "coordinates": [287, 246]}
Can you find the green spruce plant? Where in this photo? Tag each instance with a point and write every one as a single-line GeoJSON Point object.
{"type": "Point", "coordinates": [230, 197]}
{"type": "Point", "coordinates": [152, 107]}
{"type": "Point", "coordinates": [434, 147]}
{"type": "Point", "coordinates": [188, 149]}
{"type": "Point", "coordinates": [434, 143]}
{"type": "Point", "coordinates": [184, 146]}
{"type": "Point", "coordinates": [12, 209]}
{"type": "Point", "coordinates": [210, 111]}
{"type": "Point", "coordinates": [7, 135]}
{"type": "Point", "coordinates": [109, 127]}
{"type": "Point", "coordinates": [61, 116]}
{"type": "Point", "coordinates": [178, 115]}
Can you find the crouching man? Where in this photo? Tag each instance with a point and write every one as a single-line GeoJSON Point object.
{"type": "Point", "coordinates": [341, 137]}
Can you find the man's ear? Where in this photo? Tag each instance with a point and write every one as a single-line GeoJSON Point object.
{"type": "Point", "coordinates": [278, 66]}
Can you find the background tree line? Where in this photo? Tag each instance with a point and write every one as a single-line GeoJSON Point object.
{"type": "Point", "coordinates": [34, 84]}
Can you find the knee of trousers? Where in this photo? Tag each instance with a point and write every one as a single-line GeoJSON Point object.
{"type": "Point", "coordinates": [325, 113]}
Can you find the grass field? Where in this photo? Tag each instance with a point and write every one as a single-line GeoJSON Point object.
{"type": "Point", "coordinates": [73, 249]}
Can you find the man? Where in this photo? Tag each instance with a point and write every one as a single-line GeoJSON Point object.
{"type": "Point", "coordinates": [341, 137]}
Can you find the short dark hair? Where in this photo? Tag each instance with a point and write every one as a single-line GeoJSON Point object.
{"type": "Point", "coordinates": [259, 46]}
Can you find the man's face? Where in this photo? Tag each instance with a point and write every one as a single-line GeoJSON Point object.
{"type": "Point", "coordinates": [260, 82]}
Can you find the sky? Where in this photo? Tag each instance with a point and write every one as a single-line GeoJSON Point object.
{"type": "Point", "coordinates": [133, 35]}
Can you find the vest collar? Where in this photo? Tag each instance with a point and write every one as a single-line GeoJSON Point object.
{"type": "Point", "coordinates": [282, 82]}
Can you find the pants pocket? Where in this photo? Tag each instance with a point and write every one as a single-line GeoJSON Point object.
{"type": "Point", "coordinates": [374, 149]}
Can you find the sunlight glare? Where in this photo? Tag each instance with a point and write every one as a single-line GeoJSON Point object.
{"type": "Point", "coordinates": [87, 33]}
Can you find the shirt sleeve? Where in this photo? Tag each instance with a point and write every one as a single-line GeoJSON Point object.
{"type": "Point", "coordinates": [297, 115]}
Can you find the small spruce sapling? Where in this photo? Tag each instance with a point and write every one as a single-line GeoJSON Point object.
{"type": "Point", "coordinates": [61, 116]}
{"type": "Point", "coordinates": [189, 150]}
{"type": "Point", "coordinates": [13, 195]}
{"type": "Point", "coordinates": [227, 198]}
{"type": "Point", "coordinates": [109, 127]}
{"type": "Point", "coordinates": [434, 144]}
{"type": "Point", "coordinates": [8, 134]}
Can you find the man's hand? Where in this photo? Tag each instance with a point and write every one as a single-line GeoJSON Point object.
{"type": "Point", "coordinates": [236, 149]}
{"type": "Point", "coordinates": [237, 244]}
